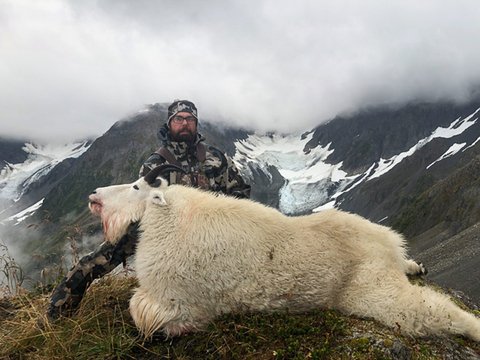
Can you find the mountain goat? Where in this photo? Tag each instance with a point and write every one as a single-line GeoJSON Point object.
{"type": "Point", "coordinates": [200, 255]}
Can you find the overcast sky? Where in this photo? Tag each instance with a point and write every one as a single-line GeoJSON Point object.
{"type": "Point", "coordinates": [70, 69]}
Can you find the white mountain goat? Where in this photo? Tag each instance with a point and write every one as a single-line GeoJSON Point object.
{"type": "Point", "coordinates": [200, 255]}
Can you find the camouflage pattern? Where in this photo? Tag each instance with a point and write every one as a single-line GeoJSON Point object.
{"type": "Point", "coordinates": [219, 170]}
{"type": "Point", "coordinates": [181, 106]}
{"type": "Point", "coordinates": [216, 173]}
{"type": "Point", "coordinates": [68, 294]}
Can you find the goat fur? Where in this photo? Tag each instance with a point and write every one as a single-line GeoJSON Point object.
{"type": "Point", "coordinates": [200, 255]}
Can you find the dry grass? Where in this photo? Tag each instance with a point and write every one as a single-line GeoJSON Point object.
{"type": "Point", "coordinates": [101, 328]}
{"type": "Point", "coordinates": [11, 274]}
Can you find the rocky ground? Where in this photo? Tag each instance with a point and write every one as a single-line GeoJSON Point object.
{"type": "Point", "coordinates": [452, 262]}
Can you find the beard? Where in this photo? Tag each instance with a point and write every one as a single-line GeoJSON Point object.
{"type": "Point", "coordinates": [184, 135]}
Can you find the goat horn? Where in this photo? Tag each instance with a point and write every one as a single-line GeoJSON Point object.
{"type": "Point", "coordinates": [160, 171]}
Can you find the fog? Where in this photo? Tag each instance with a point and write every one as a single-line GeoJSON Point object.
{"type": "Point", "coordinates": [70, 69]}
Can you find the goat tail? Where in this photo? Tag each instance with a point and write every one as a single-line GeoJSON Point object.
{"type": "Point", "coordinates": [150, 316]}
{"type": "Point", "coordinates": [146, 313]}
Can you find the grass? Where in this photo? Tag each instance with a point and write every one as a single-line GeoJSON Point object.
{"type": "Point", "coordinates": [97, 330]}
{"type": "Point", "coordinates": [102, 328]}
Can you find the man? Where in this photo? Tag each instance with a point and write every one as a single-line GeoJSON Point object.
{"type": "Point", "coordinates": [207, 167]}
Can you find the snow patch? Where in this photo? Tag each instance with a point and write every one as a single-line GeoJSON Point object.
{"type": "Point", "coordinates": [22, 215]}
{"type": "Point", "coordinates": [473, 144]}
{"type": "Point", "coordinates": [327, 206]}
{"type": "Point", "coordinates": [456, 128]}
{"type": "Point", "coordinates": [455, 148]}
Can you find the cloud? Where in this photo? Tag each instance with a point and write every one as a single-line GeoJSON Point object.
{"type": "Point", "coordinates": [70, 69]}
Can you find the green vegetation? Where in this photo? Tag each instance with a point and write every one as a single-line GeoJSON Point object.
{"type": "Point", "coordinates": [453, 202]}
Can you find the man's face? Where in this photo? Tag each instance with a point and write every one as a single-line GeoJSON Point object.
{"type": "Point", "coordinates": [184, 131]}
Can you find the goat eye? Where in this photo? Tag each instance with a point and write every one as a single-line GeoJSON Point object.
{"type": "Point", "coordinates": [135, 187]}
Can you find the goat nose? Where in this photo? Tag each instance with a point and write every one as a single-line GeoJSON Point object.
{"type": "Point", "coordinates": [94, 192]}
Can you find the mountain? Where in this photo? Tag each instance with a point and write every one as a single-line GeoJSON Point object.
{"type": "Point", "coordinates": [413, 167]}
{"type": "Point", "coordinates": [408, 151]}
{"type": "Point", "coordinates": [23, 178]}
{"type": "Point", "coordinates": [361, 163]}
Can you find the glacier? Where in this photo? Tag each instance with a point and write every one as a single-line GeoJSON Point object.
{"type": "Point", "coordinates": [309, 180]}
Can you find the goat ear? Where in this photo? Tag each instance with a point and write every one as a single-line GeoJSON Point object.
{"type": "Point", "coordinates": [157, 183]}
{"type": "Point", "coordinates": [158, 198]}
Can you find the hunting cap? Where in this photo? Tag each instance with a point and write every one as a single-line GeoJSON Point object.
{"type": "Point", "coordinates": [181, 106]}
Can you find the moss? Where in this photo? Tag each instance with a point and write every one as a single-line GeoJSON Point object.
{"type": "Point", "coordinates": [388, 343]}
{"type": "Point", "coordinates": [360, 344]}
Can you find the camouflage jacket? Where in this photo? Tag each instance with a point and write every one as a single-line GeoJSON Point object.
{"type": "Point", "coordinates": [216, 172]}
